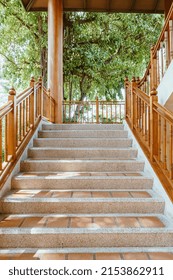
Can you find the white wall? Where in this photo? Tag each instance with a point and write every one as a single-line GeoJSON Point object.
{"type": "Point", "coordinates": [148, 171]}
{"type": "Point", "coordinates": [165, 89]}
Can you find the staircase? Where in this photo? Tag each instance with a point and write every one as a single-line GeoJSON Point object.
{"type": "Point", "coordinates": [83, 194]}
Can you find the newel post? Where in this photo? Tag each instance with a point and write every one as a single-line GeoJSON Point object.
{"type": "Point", "coordinates": [153, 125]}
{"type": "Point", "coordinates": [32, 105]}
{"type": "Point", "coordinates": [40, 80]}
{"type": "Point", "coordinates": [97, 109]}
{"type": "Point", "coordinates": [11, 127]}
{"type": "Point", "coordinates": [132, 101]}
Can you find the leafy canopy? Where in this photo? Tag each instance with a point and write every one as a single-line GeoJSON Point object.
{"type": "Point", "coordinates": [100, 49]}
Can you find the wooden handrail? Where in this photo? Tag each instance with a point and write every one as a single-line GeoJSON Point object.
{"type": "Point", "coordinates": [5, 109]}
{"type": "Point", "coordinates": [160, 57]}
{"type": "Point", "coordinates": [152, 125]}
{"type": "Point", "coordinates": [19, 119]}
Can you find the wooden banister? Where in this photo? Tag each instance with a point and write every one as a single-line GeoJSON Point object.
{"type": "Point", "coordinates": [152, 125]}
{"type": "Point", "coordinates": [160, 57]}
{"type": "Point", "coordinates": [18, 120]}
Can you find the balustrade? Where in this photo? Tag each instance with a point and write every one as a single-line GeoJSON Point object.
{"type": "Point", "coordinates": [19, 119]}
{"type": "Point", "coordinates": [152, 125]}
{"type": "Point", "coordinates": [93, 111]}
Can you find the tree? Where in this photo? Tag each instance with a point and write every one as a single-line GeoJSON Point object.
{"type": "Point", "coordinates": [100, 49]}
{"type": "Point", "coordinates": [23, 43]}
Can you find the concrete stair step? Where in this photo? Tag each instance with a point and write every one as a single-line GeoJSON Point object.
{"type": "Point", "coordinates": [83, 142]}
{"type": "Point", "coordinates": [60, 231]}
{"type": "Point", "coordinates": [83, 133]}
{"type": "Point", "coordinates": [81, 180]}
{"type": "Point", "coordinates": [77, 201]}
{"type": "Point", "coordinates": [82, 153]}
{"type": "Point", "coordinates": [73, 165]}
{"type": "Point", "coordinates": [140, 253]}
{"type": "Point", "coordinates": [83, 127]}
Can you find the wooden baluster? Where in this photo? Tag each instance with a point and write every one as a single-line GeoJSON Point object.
{"type": "Point", "coordinates": [171, 151]}
{"type": "Point", "coordinates": [153, 125]}
{"type": "Point", "coordinates": [146, 119]}
{"type": "Point", "coordinates": [25, 123]}
{"type": "Point", "coordinates": [158, 69]}
{"type": "Point", "coordinates": [159, 138]}
{"type": "Point", "coordinates": [166, 50]}
{"type": "Point", "coordinates": [97, 110]}
{"type": "Point", "coordinates": [11, 132]}
{"type": "Point", "coordinates": [40, 80]}
{"type": "Point", "coordinates": [143, 119]}
{"type": "Point", "coordinates": [152, 69]}
{"type": "Point", "coordinates": [6, 151]}
{"type": "Point", "coordinates": [148, 124]}
{"type": "Point", "coordinates": [49, 106]}
{"type": "Point", "coordinates": [21, 121]}
{"type": "Point", "coordinates": [27, 114]}
{"type": "Point", "coordinates": [133, 87]}
{"type": "Point", "coordinates": [32, 105]}
{"type": "Point", "coordinates": [171, 39]}
{"type": "Point", "coordinates": [0, 144]}
{"type": "Point", "coordinates": [69, 112]}
{"type": "Point", "coordinates": [164, 145]}
{"type": "Point", "coordinates": [111, 111]}
{"type": "Point", "coordinates": [126, 97]}
{"type": "Point", "coordinates": [92, 113]}
{"type": "Point", "coordinates": [161, 60]}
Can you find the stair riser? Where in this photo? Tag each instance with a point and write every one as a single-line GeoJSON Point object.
{"type": "Point", "coordinates": [131, 154]}
{"type": "Point", "coordinates": [82, 166]}
{"type": "Point", "coordinates": [82, 240]}
{"type": "Point", "coordinates": [83, 143]}
{"type": "Point", "coordinates": [83, 133]}
{"type": "Point", "coordinates": [72, 207]}
{"type": "Point", "coordinates": [82, 184]}
{"type": "Point", "coordinates": [83, 127]}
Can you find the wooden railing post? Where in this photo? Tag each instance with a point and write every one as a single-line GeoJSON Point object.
{"type": "Point", "coordinates": [49, 106]}
{"type": "Point", "coordinates": [152, 69]}
{"type": "Point", "coordinates": [97, 109]}
{"type": "Point", "coordinates": [40, 80]}
{"type": "Point", "coordinates": [32, 105]}
{"type": "Point", "coordinates": [171, 38]}
{"type": "Point", "coordinates": [132, 101]}
{"type": "Point", "coordinates": [126, 97]}
{"type": "Point", "coordinates": [153, 125]}
{"type": "Point", "coordinates": [11, 127]}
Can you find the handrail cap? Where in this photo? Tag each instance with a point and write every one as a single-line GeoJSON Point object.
{"type": "Point", "coordinates": [12, 91]}
{"type": "Point", "coordinates": [153, 92]}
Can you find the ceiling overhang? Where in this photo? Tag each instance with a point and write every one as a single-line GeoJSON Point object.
{"type": "Point", "coordinates": [124, 6]}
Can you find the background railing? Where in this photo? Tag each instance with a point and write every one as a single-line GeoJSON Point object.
{"type": "Point", "coordinates": [152, 124]}
{"type": "Point", "coordinates": [161, 56]}
{"type": "Point", "coordinates": [93, 111]}
{"type": "Point", "coordinates": [19, 119]}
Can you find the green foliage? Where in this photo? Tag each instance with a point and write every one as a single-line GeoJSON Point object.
{"type": "Point", "coordinates": [100, 49]}
{"type": "Point", "coordinates": [23, 37]}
